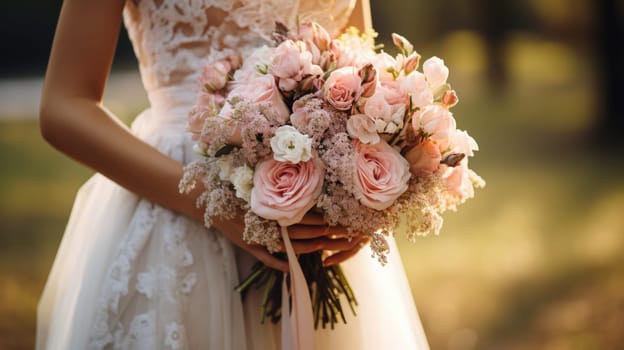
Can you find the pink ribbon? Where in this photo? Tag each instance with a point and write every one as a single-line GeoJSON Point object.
{"type": "Point", "coordinates": [298, 323]}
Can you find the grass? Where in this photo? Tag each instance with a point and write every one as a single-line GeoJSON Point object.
{"type": "Point", "coordinates": [534, 262]}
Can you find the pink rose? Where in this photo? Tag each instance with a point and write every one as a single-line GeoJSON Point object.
{"type": "Point", "coordinates": [382, 174]}
{"type": "Point", "coordinates": [424, 158]}
{"type": "Point", "coordinates": [285, 191]}
{"type": "Point", "coordinates": [286, 60]}
{"type": "Point", "coordinates": [263, 90]}
{"type": "Point", "coordinates": [437, 123]}
{"type": "Point", "coordinates": [377, 107]}
{"type": "Point", "coordinates": [342, 88]}
{"type": "Point", "coordinates": [291, 63]}
{"type": "Point", "coordinates": [215, 76]}
{"type": "Point", "coordinates": [363, 128]}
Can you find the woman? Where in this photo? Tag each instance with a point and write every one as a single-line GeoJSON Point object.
{"type": "Point", "coordinates": [136, 268]}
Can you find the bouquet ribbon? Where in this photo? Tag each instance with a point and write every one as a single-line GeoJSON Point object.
{"type": "Point", "coordinates": [298, 323]}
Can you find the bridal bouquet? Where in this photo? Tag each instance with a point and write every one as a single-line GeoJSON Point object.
{"type": "Point", "coordinates": [332, 125]}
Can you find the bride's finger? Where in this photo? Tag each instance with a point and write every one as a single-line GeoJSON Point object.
{"type": "Point", "coordinates": [312, 231]}
{"type": "Point", "coordinates": [339, 257]}
{"type": "Point", "coordinates": [313, 218]}
{"type": "Point", "coordinates": [340, 244]}
{"type": "Point", "coordinates": [307, 231]}
{"type": "Point", "coordinates": [268, 259]}
{"type": "Point", "coordinates": [324, 243]}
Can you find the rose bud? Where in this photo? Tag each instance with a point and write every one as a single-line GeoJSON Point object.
{"type": "Point", "coordinates": [450, 99]}
{"type": "Point", "coordinates": [453, 159]}
{"type": "Point", "coordinates": [280, 33]}
{"type": "Point", "coordinates": [328, 60]}
{"type": "Point", "coordinates": [308, 83]}
{"type": "Point", "coordinates": [368, 74]}
{"type": "Point", "coordinates": [235, 61]}
{"type": "Point", "coordinates": [411, 62]}
{"type": "Point", "coordinates": [320, 37]}
{"type": "Point", "coordinates": [403, 44]}
{"type": "Point", "coordinates": [318, 83]}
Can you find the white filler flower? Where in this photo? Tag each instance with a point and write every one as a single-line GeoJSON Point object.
{"type": "Point", "coordinates": [242, 179]}
{"type": "Point", "coordinates": [225, 166]}
{"type": "Point", "coordinates": [289, 145]}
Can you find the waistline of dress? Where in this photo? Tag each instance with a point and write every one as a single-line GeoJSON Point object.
{"type": "Point", "coordinates": [168, 111]}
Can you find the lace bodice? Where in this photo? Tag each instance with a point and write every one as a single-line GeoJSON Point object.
{"type": "Point", "coordinates": [172, 37]}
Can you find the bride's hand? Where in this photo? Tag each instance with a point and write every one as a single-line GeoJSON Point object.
{"type": "Point", "coordinates": [310, 235]}
{"type": "Point", "coordinates": [233, 230]}
{"type": "Point", "coordinates": [313, 234]}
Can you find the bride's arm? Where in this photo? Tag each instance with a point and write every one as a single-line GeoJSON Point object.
{"type": "Point", "coordinates": [73, 119]}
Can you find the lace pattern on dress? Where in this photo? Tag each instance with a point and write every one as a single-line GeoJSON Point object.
{"type": "Point", "coordinates": [172, 37]}
{"type": "Point", "coordinates": [164, 279]}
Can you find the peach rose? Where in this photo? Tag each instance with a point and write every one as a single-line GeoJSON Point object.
{"type": "Point", "coordinates": [285, 191]}
{"type": "Point", "coordinates": [342, 88]}
{"type": "Point", "coordinates": [424, 158]}
{"type": "Point", "coordinates": [381, 174]}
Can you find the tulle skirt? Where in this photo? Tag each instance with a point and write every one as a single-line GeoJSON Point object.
{"type": "Point", "coordinates": [132, 275]}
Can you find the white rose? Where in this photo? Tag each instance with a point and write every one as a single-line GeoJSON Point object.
{"type": "Point", "coordinates": [225, 167]}
{"type": "Point", "coordinates": [242, 179]}
{"type": "Point", "coordinates": [289, 145]}
{"type": "Point", "coordinates": [435, 71]}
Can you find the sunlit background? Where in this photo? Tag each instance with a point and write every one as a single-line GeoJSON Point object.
{"type": "Point", "coordinates": [535, 261]}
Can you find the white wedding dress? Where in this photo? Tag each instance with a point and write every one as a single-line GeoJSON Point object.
{"type": "Point", "coordinates": [132, 275]}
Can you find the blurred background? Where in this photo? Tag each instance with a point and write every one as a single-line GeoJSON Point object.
{"type": "Point", "coordinates": [533, 262]}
